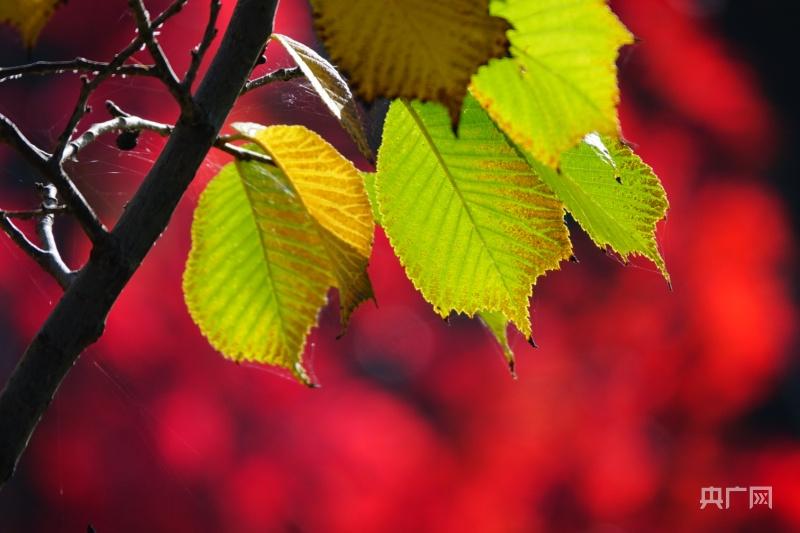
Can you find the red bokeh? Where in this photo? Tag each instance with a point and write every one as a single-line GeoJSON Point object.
{"type": "Point", "coordinates": [636, 398]}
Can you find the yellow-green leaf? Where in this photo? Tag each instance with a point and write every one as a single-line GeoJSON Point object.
{"type": "Point", "coordinates": [473, 226]}
{"type": "Point", "coordinates": [498, 327]}
{"type": "Point", "coordinates": [28, 17]}
{"type": "Point", "coordinates": [257, 272]}
{"type": "Point", "coordinates": [414, 49]}
{"type": "Point", "coordinates": [612, 194]}
{"type": "Point", "coordinates": [560, 82]}
{"type": "Point", "coordinates": [332, 191]}
{"type": "Point", "coordinates": [369, 186]}
{"type": "Point", "coordinates": [266, 249]}
{"type": "Point", "coordinates": [331, 88]}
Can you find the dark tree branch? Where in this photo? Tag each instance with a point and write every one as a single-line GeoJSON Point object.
{"type": "Point", "coordinates": [31, 214]}
{"type": "Point", "coordinates": [282, 74]}
{"type": "Point", "coordinates": [79, 64]}
{"type": "Point", "coordinates": [79, 317]}
{"type": "Point", "coordinates": [123, 121]}
{"type": "Point", "coordinates": [46, 256]}
{"type": "Point", "coordinates": [88, 86]}
{"type": "Point", "coordinates": [163, 67]}
{"type": "Point", "coordinates": [44, 228]}
{"type": "Point", "coordinates": [199, 52]}
{"type": "Point", "coordinates": [52, 172]}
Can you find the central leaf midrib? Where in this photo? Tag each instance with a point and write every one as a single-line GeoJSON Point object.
{"type": "Point", "coordinates": [268, 264]}
{"type": "Point", "coordinates": [421, 126]}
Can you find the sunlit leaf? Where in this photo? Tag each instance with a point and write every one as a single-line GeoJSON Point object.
{"type": "Point", "coordinates": [28, 17]}
{"type": "Point", "coordinates": [560, 82]}
{"type": "Point", "coordinates": [331, 88]}
{"type": "Point", "coordinates": [372, 194]}
{"type": "Point", "coordinates": [414, 49]}
{"type": "Point", "coordinates": [269, 242]}
{"type": "Point", "coordinates": [612, 194]}
{"type": "Point", "coordinates": [497, 325]}
{"type": "Point", "coordinates": [471, 223]}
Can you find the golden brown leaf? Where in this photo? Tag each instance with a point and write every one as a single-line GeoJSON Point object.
{"type": "Point", "coordinates": [414, 49]}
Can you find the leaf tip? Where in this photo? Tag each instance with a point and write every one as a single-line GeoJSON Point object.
{"type": "Point", "coordinates": [512, 369]}
{"type": "Point", "coordinates": [300, 373]}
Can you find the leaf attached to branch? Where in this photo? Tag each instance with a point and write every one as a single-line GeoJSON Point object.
{"type": "Point", "coordinates": [331, 88]}
{"type": "Point", "coordinates": [269, 241]}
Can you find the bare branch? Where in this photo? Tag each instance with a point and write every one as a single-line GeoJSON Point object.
{"type": "Point", "coordinates": [10, 135]}
{"type": "Point", "coordinates": [163, 67]}
{"type": "Point", "coordinates": [118, 124]}
{"type": "Point", "coordinates": [29, 214]}
{"type": "Point", "coordinates": [199, 52]}
{"type": "Point", "coordinates": [282, 74]}
{"type": "Point", "coordinates": [79, 64]}
{"type": "Point", "coordinates": [79, 317]}
{"type": "Point", "coordinates": [47, 256]}
{"type": "Point", "coordinates": [123, 121]}
{"type": "Point", "coordinates": [54, 173]}
{"type": "Point", "coordinates": [89, 86]}
{"type": "Point", "coordinates": [44, 228]}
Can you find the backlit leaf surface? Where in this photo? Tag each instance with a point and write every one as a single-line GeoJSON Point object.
{"type": "Point", "coordinates": [612, 194]}
{"type": "Point", "coordinates": [414, 49]}
{"type": "Point", "coordinates": [268, 242]}
{"type": "Point", "coordinates": [560, 82]}
{"type": "Point", "coordinates": [330, 87]}
{"type": "Point", "coordinates": [498, 326]}
{"type": "Point", "coordinates": [471, 223]}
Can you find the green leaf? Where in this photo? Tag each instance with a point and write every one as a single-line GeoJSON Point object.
{"type": "Point", "coordinates": [498, 327]}
{"type": "Point", "coordinates": [471, 223]}
{"type": "Point", "coordinates": [257, 273]}
{"type": "Point", "coordinates": [612, 194]}
{"type": "Point", "coordinates": [331, 88]}
{"type": "Point", "coordinates": [560, 82]}
{"type": "Point", "coordinates": [269, 242]}
{"type": "Point", "coordinates": [372, 194]}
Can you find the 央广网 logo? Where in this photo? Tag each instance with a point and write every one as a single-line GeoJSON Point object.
{"type": "Point", "coordinates": [758, 496]}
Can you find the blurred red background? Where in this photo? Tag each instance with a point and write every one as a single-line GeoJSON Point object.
{"type": "Point", "coordinates": [636, 399]}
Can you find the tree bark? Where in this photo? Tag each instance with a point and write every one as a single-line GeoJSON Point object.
{"type": "Point", "coordinates": [79, 318]}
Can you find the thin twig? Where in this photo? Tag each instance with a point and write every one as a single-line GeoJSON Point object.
{"type": "Point", "coordinates": [44, 228]}
{"type": "Point", "coordinates": [117, 124]}
{"type": "Point", "coordinates": [30, 214]}
{"type": "Point", "coordinates": [282, 74]}
{"type": "Point", "coordinates": [199, 52]}
{"type": "Point", "coordinates": [124, 121]}
{"type": "Point", "coordinates": [79, 64]}
{"type": "Point", "coordinates": [89, 86]}
{"type": "Point", "coordinates": [55, 174]}
{"type": "Point", "coordinates": [163, 67]}
{"type": "Point", "coordinates": [46, 256]}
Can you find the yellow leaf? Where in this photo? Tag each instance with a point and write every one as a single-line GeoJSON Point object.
{"type": "Point", "coordinates": [331, 88]}
{"type": "Point", "coordinates": [414, 49]}
{"type": "Point", "coordinates": [332, 190]}
{"type": "Point", "coordinates": [262, 263]}
{"type": "Point", "coordinates": [28, 17]}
